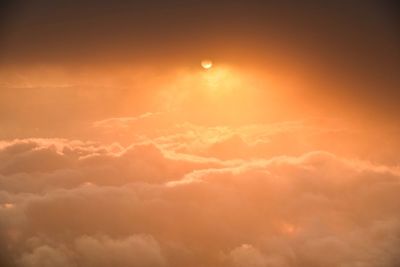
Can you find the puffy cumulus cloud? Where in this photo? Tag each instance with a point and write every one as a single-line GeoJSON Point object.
{"type": "Point", "coordinates": [138, 251]}
{"type": "Point", "coordinates": [46, 256]}
{"type": "Point", "coordinates": [32, 165]}
{"type": "Point", "coordinates": [93, 251]}
{"type": "Point", "coordinates": [179, 199]}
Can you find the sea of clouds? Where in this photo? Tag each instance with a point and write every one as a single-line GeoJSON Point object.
{"type": "Point", "coordinates": [294, 194]}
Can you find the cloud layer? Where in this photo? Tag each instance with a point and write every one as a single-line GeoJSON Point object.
{"type": "Point", "coordinates": [197, 196]}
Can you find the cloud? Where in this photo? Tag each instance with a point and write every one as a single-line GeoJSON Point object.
{"type": "Point", "coordinates": [47, 257]}
{"type": "Point", "coordinates": [141, 251]}
{"type": "Point", "coordinates": [89, 251]}
{"type": "Point", "coordinates": [32, 165]}
{"type": "Point", "coordinates": [122, 122]}
{"type": "Point", "coordinates": [229, 142]}
{"type": "Point", "coordinates": [78, 203]}
{"type": "Point", "coordinates": [248, 256]}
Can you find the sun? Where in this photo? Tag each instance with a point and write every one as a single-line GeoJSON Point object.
{"type": "Point", "coordinates": [206, 64]}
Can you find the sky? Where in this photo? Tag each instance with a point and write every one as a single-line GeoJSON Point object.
{"type": "Point", "coordinates": [117, 148]}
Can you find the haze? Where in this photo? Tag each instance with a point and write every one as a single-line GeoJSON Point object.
{"type": "Point", "coordinates": [120, 147]}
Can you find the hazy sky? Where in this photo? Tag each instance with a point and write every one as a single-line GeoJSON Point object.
{"type": "Point", "coordinates": [348, 48]}
{"type": "Point", "coordinates": [117, 148]}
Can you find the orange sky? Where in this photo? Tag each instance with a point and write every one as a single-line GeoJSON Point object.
{"type": "Point", "coordinates": [117, 148]}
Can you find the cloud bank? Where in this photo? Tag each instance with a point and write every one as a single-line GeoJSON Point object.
{"type": "Point", "coordinates": [198, 196]}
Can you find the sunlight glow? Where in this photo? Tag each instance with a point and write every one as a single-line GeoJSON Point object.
{"type": "Point", "coordinates": [206, 64]}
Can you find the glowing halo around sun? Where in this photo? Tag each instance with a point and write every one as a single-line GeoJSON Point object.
{"type": "Point", "coordinates": [206, 64]}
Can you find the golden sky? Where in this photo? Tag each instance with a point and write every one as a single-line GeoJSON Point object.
{"type": "Point", "coordinates": [199, 133]}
